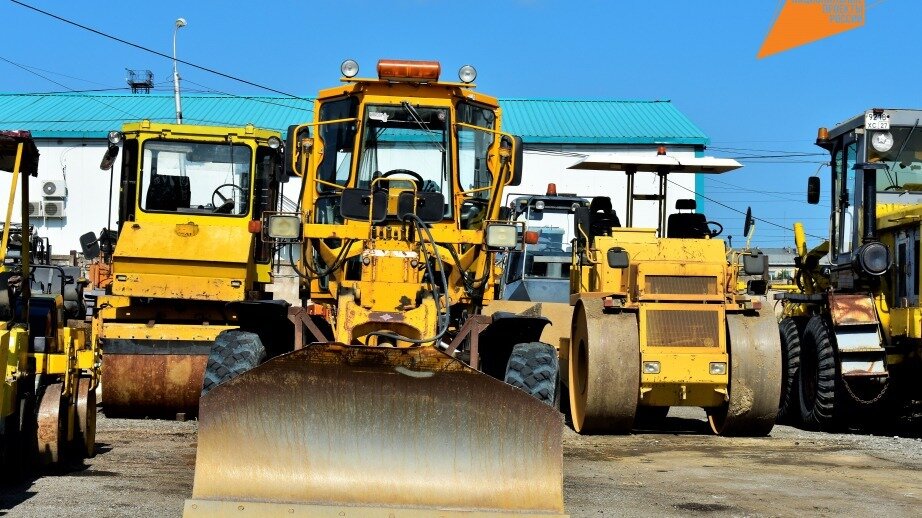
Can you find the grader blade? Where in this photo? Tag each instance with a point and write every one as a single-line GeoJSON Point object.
{"type": "Point", "coordinates": [335, 430]}
{"type": "Point", "coordinates": [755, 377]}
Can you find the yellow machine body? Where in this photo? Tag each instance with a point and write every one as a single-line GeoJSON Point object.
{"type": "Point", "coordinates": [51, 368]}
{"type": "Point", "coordinates": [862, 306]}
{"type": "Point", "coordinates": [659, 320]}
{"type": "Point", "coordinates": [382, 408]}
{"type": "Point", "coordinates": [181, 260]}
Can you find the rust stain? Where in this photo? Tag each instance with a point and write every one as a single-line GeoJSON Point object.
{"type": "Point", "coordinates": [852, 309]}
{"type": "Point", "coordinates": [154, 385]}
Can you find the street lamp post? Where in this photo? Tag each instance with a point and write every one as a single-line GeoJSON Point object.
{"type": "Point", "coordinates": [180, 22]}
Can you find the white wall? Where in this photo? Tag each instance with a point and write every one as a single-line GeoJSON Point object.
{"type": "Point", "coordinates": [77, 163]}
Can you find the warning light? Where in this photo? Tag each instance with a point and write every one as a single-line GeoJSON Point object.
{"type": "Point", "coordinates": [531, 237]}
{"type": "Point", "coordinates": [552, 189]}
{"type": "Point", "coordinates": [661, 151]}
{"type": "Point", "coordinates": [405, 70]}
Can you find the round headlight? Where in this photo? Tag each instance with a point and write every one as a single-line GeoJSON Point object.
{"type": "Point", "coordinates": [274, 142]}
{"type": "Point", "coordinates": [349, 68]}
{"type": "Point", "coordinates": [114, 137]}
{"type": "Point", "coordinates": [873, 258]}
{"type": "Point", "coordinates": [882, 141]}
{"type": "Point", "coordinates": [467, 74]}
{"type": "Point", "coordinates": [539, 205]}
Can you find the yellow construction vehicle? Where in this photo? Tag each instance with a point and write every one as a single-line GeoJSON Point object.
{"type": "Point", "coordinates": [398, 407]}
{"type": "Point", "coordinates": [851, 332]}
{"type": "Point", "coordinates": [658, 320]}
{"type": "Point", "coordinates": [47, 396]}
{"type": "Point", "coordinates": [187, 263]}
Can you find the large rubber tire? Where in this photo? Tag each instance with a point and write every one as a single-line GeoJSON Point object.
{"type": "Point", "coordinates": [534, 368]}
{"type": "Point", "coordinates": [819, 378]}
{"type": "Point", "coordinates": [604, 369]}
{"type": "Point", "coordinates": [233, 353]}
{"type": "Point", "coordinates": [789, 406]}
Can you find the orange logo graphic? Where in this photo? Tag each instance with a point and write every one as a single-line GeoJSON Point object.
{"type": "Point", "coordinates": [804, 21]}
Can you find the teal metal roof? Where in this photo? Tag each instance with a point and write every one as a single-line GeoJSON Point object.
{"type": "Point", "coordinates": [536, 120]}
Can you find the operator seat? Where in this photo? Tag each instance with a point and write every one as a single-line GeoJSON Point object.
{"type": "Point", "coordinates": [687, 225]}
{"type": "Point", "coordinates": [602, 219]}
{"type": "Point", "coordinates": [168, 193]}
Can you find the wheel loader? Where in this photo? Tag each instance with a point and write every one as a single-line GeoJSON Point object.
{"type": "Point", "coordinates": [658, 320]}
{"type": "Point", "coordinates": [402, 398]}
{"type": "Point", "coordinates": [47, 397]}
{"type": "Point", "coordinates": [851, 335]}
{"type": "Point", "coordinates": [187, 262]}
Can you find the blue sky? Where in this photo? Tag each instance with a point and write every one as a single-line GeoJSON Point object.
{"type": "Point", "coordinates": [699, 54]}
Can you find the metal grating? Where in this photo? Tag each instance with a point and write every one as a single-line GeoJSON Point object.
{"type": "Point", "coordinates": [679, 285]}
{"type": "Point", "coordinates": [683, 328]}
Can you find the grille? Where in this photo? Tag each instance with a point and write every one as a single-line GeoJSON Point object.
{"type": "Point", "coordinates": [679, 285]}
{"type": "Point", "coordinates": [683, 328]}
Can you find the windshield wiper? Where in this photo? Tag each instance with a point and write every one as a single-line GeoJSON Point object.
{"type": "Point", "coordinates": [425, 127]}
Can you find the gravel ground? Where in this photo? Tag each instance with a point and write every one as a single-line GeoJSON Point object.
{"type": "Point", "coordinates": [145, 468]}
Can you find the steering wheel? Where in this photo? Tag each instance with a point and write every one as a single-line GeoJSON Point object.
{"type": "Point", "coordinates": [417, 178]}
{"type": "Point", "coordinates": [716, 232]}
{"type": "Point", "coordinates": [227, 203]}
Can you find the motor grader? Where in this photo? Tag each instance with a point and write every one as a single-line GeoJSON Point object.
{"type": "Point", "coordinates": [47, 396]}
{"type": "Point", "coordinates": [394, 402]}
{"type": "Point", "coordinates": [187, 262]}
{"type": "Point", "coordinates": [851, 333]}
{"type": "Point", "coordinates": [658, 320]}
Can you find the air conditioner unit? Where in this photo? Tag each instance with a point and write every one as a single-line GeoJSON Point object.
{"type": "Point", "coordinates": [35, 209]}
{"type": "Point", "coordinates": [53, 208]}
{"type": "Point", "coordinates": [54, 189]}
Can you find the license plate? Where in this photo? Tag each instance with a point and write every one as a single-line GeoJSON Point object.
{"type": "Point", "coordinates": [877, 121]}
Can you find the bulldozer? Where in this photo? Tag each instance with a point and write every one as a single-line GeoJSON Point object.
{"type": "Point", "coordinates": [51, 369]}
{"type": "Point", "coordinates": [658, 320]}
{"type": "Point", "coordinates": [401, 397]}
{"type": "Point", "coordinates": [850, 333]}
{"type": "Point", "coordinates": [187, 262]}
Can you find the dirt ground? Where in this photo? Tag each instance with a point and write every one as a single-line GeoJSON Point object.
{"type": "Point", "coordinates": [145, 468]}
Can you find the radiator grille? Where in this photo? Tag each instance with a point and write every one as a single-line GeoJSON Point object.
{"type": "Point", "coordinates": [683, 328]}
{"type": "Point", "coordinates": [679, 285]}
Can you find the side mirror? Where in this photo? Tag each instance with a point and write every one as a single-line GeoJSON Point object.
{"type": "Point", "coordinates": [428, 206]}
{"type": "Point", "coordinates": [297, 143]}
{"type": "Point", "coordinates": [108, 160]}
{"type": "Point", "coordinates": [90, 245]}
{"type": "Point", "coordinates": [747, 223]}
{"type": "Point", "coordinates": [813, 190]}
{"type": "Point", "coordinates": [618, 258]}
{"type": "Point", "coordinates": [359, 204]}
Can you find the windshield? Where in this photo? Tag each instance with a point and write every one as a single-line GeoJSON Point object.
{"type": "Point", "coordinates": [550, 257]}
{"type": "Point", "coordinates": [902, 156]}
{"type": "Point", "coordinates": [195, 177]}
{"type": "Point", "coordinates": [409, 143]}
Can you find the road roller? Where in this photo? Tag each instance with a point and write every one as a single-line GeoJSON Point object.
{"type": "Point", "coordinates": [658, 320]}
{"type": "Point", "coordinates": [187, 262]}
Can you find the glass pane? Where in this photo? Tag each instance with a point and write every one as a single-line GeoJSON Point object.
{"type": "Point", "coordinates": [195, 177]}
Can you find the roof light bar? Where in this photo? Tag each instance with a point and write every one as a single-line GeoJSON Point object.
{"type": "Point", "coordinates": [405, 70]}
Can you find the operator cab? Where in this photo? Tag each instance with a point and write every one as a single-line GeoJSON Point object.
{"type": "Point", "coordinates": [541, 271]}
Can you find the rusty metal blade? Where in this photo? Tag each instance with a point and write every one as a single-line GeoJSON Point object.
{"type": "Point", "coordinates": [336, 425]}
{"type": "Point", "coordinates": [152, 385]}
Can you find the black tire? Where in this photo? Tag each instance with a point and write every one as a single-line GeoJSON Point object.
{"type": "Point", "coordinates": [819, 377]}
{"type": "Point", "coordinates": [233, 353]}
{"type": "Point", "coordinates": [534, 368]}
{"type": "Point", "coordinates": [789, 406]}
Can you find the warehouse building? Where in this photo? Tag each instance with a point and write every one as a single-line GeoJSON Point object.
{"type": "Point", "coordinates": [72, 195]}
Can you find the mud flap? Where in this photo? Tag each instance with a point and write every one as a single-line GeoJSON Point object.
{"type": "Point", "coordinates": [755, 377]}
{"type": "Point", "coordinates": [333, 429]}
